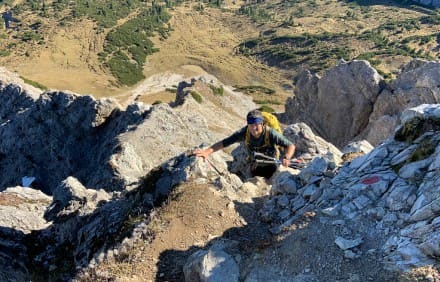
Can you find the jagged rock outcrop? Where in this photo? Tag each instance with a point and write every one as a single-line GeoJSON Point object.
{"type": "Point", "coordinates": [352, 101]}
{"type": "Point", "coordinates": [124, 161]}
{"type": "Point", "coordinates": [92, 158]}
{"type": "Point", "coordinates": [49, 137]}
{"type": "Point", "coordinates": [417, 84]}
{"type": "Point", "coordinates": [169, 130]}
{"type": "Point", "coordinates": [63, 134]}
{"type": "Point", "coordinates": [307, 143]}
{"type": "Point", "coordinates": [338, 104]}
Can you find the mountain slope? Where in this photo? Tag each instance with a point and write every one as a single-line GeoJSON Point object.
{"type": "Point", "coordinates": [235, 43]}
{"type": "Point", "coordinates": [108, 170]}
{"type": "Point", "coordinates": [374, 218]}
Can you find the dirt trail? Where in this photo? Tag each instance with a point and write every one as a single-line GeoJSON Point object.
{"type": "Point", "coordinates": [193, 216]}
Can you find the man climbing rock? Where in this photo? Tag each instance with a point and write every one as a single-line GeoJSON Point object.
{"type": "Point", "coordinates": [257, 138]}
{"type": "Point", "coordinates": [7, 17]}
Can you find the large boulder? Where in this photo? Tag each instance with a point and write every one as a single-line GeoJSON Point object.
{"type": "Point", "coordinates": [21, 212]}
{"type": "Point", "coordinates": [352, 102]}
{"type": "Point", "coordinates": [23, 208]}
{"type": "Point", "coordinates": [307, 143]}
{"type": "Point", "coordinates": [214, 265]}
{"type": "Point", "coordinates": [337, 105]}
{"type": "Point", "coordinates": [417, 84]}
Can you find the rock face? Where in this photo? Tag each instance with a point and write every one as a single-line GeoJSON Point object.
{"type": "Point", "coordinates": [386, 203]}
{"type": "Point", "coordinates": [417, 84]}
{"type": "Point", "coordinates": [336, 106]}
{"type": "Point", "coordinates": [96, 163]}
{"type": "Point", "coordinates": [49, 137]}
{"type": "Point", "coordinates": [353, 102]}
{"type": "Point", "coordinates": [101, 166]}
{"type": "Point", "coordinates": [395, 186]}
{"type": "Point", "coordinates": [64, 134]}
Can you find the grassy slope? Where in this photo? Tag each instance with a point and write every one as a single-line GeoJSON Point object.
{"type": "Point", "coordinates": [67, 57]}
{"type": "Point", "coordinates": [322, 32]}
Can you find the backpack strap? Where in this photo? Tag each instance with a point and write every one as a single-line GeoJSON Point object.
{"type": "Point", "coordinates": [268, 144]}
{"type": "Point", "coordinates": [267, 136]}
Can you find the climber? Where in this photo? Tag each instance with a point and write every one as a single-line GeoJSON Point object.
{"type": "Point", "coordinates": [7, 17]}
{"type": "Point", "coordinates": [259, 138]}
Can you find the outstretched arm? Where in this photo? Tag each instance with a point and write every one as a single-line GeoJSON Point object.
{"type": "Point", "coordinates": [204, 153]}
{"type": "Point", "coordinates": [235, 137]}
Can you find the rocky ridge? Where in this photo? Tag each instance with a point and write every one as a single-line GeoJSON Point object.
{"type": "Point", "coordinates": [64, 138]}
{"type": "Point", "coordinates": [381, 207]}
{"type": "Point", "coordinates": [351, 101]}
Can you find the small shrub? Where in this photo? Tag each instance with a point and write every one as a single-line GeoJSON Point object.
{"type": "Point", "coordinates": [217, 90]}
{"type": "Point", "coordinates": [410, 130]}
{"type": "Point", "coordinates": [255, 89]}
{"type": "Point", "coordinates": [5, 53]}
{"type": "Point", "coordinates": [196, 96]}
{"type": "Point", "coordinates": [30, 36]}
{"type": "Point", "coordinates": [424, 150]}
{"type": "Point", "coordinates": [34, 83]}
{"type": "Point", "coordinates": [255, 13]}
{"type": "Point", "coordinates": [266, 108]}
{"type": "Point", "coordinates": [171, 90]}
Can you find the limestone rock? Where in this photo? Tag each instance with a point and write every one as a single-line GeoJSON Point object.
{"type": "Point", "coordinates": [352, 102]}
{"type": "Point", "coordinates": [23, 208]}
{"type": "Point", "coordinates": [338, 105]}
{"type": "Point", "coordinates": [417, 84]}
{"type": "Point", "coordinates": [211, 266]}
{"type": "Point", "coordinates": [307, 143]}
